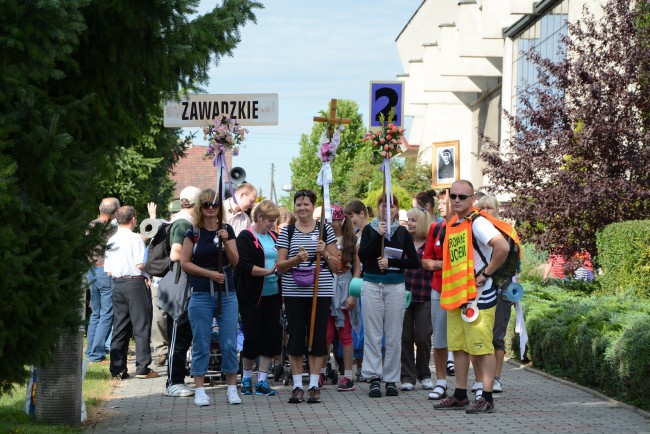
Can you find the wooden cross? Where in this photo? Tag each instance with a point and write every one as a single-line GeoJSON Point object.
{"type": "Point", "coordinates": [332, 120]}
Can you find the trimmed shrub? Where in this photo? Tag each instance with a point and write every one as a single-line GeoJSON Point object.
{"type": "Point", "coordinates": [600, 341]}
{"type": "Point", "coordinates": [624, 256]}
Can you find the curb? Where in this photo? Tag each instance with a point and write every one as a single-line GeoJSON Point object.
{"type": "Point", "coordinates": [595, 393]}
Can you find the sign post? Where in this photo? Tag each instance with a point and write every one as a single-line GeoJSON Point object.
{"type": "Point", "coordinates": [246, 109]}
{"type": "Point", "coordinates": [385, 95]}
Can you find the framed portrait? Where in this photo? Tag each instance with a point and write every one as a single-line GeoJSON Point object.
{"type": "Point", "coordinates": [445, 163]}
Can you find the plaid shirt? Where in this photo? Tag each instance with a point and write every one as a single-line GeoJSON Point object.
{"type": "Point", "coordinates": [418, 281]}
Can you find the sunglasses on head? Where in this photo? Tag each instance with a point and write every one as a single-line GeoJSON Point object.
{"type": "Point", "coordinates": [208, 205]}
{"type": "Point", "coordinates": [459, 196]}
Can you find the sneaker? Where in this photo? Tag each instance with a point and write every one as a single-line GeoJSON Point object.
{"type": "Point", "coordinates": [263, 388]}
{"type": "Point", "coordinates": [375, 388]}
{"type": "Point", "coordinates": [122, 376]}
{"type": "Point", "coordinates": [498, 387]}
{"type": "Point", "coordinates": [233, 397]}
{"type": "Point", "coordinates": [451, 403]}
{"type": "Point", "coordinates": [479, 395]}
{"type": "Point", "coordinates": [345, 385]}
{"type": "Point", "coordinates": [481, 406]}
{"type": "Point", "coordinates": [426, 384]}
{"type": "Point", "coordinates": [150, 374]}
{"type": "Point", "coordinates": [201, 399]}
{"type": "Point", "coordinates": [322, 380]}
{"type": "Point", "coordinates": [246, 386]}
{"type": "Point", "coordinates": [314, 395]}
{"type": "Point", "coordinates": [297, 396]}
{"type": "Point", "coordinates": [391, 389]}
{"type": "Point", "coordinates": [178, 390]}
{"type": "Point", "coordinates": [407, 387]}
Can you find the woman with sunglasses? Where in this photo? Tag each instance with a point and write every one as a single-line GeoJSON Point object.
{"type": "Point", "coordinates": [258, 293]}
{"type": "Point", "coordinates": [383, 295]}
{"type": "Point", "coordinates": [298, 245]}
{"type": "Point", "coordinates": [213, 294]}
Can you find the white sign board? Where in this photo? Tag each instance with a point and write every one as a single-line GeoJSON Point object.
{"type": "Point", "coordinates": [197, 110]}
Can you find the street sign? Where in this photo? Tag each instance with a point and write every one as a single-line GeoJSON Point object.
{"type": "Point", "coordinates": [383, 96]}
{"type": "Point", "coordinates": [197, 110]}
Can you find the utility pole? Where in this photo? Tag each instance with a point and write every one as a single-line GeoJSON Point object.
{"type": "Point", "coordinates": [273, 195]}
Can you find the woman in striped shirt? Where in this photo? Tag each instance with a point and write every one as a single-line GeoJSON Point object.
{"type": "Point", "coordinates": [298, 245]}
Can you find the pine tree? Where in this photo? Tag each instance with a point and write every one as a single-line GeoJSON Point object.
{"type": "Point", "coordinates": [80, 82]}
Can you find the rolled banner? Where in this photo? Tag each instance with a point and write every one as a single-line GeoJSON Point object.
{"type": "Point", "coordinates": [149, 227]}
{"type": "Point", "coordinates": [385, 167]}
{"type": "Point", "coordinates": [222, 166]}
{"type": "Point", "coordinates": [520, 327]}
{"type": "Point", "coordinates": [355, 287]}
{"type": "Point", "coordinates": [324, 180]}
{"type": "Point", "coordinates": [513, 292]}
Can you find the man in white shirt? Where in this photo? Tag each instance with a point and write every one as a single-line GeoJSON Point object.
{"type": "Point", "coordinates": [132, 307]}
{"type": "Point", "coordinates": [236, 215]}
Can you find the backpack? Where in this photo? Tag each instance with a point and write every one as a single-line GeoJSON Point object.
{"type": "Point", "coordinates": [502, 277]}
{"type": "Point", "coordinates": [158, 251]}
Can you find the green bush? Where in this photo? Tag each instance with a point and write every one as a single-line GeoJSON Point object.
{"type": "Point", "coordinates": [624, 256]}
{"type": "Point", "coordinates": [600, 341]}
{"type": "Point", "coordinates": [403, 196]}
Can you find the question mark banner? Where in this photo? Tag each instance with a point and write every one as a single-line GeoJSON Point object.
{"type": "Point", "coordinates": [385, 95]}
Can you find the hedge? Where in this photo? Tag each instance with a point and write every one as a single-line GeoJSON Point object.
{"type": "Point", "coordinates": [624, 256]}
{"type": "Point", "coordinates": [600, 341]}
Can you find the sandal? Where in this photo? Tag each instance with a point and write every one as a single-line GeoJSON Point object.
{"type": "Point", "coordinates": [438, 392]}
{"type": "Point", "coordinates": [451, 371]}
{"type": "Point", "coordinates": [479, 394]}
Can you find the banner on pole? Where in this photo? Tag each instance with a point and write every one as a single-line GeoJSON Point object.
{"type": "Point", "coordinates": [247, 109]}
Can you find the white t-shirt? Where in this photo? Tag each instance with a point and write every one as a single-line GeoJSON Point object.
{"type": "Point", "coordinates": [125, 250]}
{"type": "Point", "coordinates": [483, 231]}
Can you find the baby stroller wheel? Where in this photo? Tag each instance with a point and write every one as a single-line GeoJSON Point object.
{"type": "Point", "coordinates": [287, 375]}
{"type": "Point", "coordinates": [278, 370]}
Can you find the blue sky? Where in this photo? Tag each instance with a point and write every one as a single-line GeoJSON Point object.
{"type": "Point", "coordinates": [307, 52]}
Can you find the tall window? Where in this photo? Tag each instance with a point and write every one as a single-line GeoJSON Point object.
{"type": "Point", "coordinates": [544, 36]}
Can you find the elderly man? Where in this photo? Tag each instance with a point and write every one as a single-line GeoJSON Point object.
{"type": "Point", "coordinates": [132, 307]}
{"type": "Point", "coordinates": [101, 286]}
{"type": "Point", "coordinates": [236, 213]}
{"type": "Point", "coordinates": [465, 277]}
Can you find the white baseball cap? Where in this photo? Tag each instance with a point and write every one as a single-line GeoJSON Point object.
{"type": "Point", "coordinates": [190, 194]}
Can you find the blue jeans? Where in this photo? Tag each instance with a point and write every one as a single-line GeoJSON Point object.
{"type": "Point", "coordinates": [201, 310]}
{"type": "Point", "coordinates": [101, 318]}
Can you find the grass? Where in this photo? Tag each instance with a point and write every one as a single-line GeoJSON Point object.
{"type": "Point", "coordinates": [97, 387]}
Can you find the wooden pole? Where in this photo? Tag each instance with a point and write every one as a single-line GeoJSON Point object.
{"type": "Point", "coordinates": [219, 227]}
{"type": "Point", "coordinates": [314, 298]}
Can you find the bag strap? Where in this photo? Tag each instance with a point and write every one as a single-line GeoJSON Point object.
{"type": "Point", "coordinates": [436, 230]}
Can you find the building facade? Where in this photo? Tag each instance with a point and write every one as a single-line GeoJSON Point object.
{"type": "Point", "coordinates": [463, 63]}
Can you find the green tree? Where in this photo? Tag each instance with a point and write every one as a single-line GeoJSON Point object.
{"type": "Point", "coordinates": [81, 83]}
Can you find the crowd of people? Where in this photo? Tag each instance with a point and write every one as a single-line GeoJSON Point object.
{"type": "Point", "coordinates": [250, 262]}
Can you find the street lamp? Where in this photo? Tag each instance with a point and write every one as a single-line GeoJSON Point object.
{"type": "Point", "coordinates": [289, 189]}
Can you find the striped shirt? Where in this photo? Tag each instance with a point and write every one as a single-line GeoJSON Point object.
{"type": "Point", "coordinates": [308, 241]}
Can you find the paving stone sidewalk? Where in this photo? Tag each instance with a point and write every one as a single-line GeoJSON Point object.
{"type": "Point", "coordinates": [530, 403]}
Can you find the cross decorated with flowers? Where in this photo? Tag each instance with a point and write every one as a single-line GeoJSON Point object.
{"type": "Point", "coordinates": [332, 120]}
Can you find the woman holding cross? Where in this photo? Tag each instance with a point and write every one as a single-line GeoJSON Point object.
{"type": "Point", "coordinates": [299, 245]}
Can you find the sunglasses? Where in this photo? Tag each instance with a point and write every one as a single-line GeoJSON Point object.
{"type": "Point", "coordinates": [459, 196]}
{"type": "Point", "coordinates": [208, 205]}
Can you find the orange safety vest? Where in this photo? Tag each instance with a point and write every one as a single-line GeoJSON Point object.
{"type": "Point", "coordinates": [458, 282]}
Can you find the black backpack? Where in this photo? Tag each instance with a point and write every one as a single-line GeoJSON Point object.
{"type": "Point", "coordinates": [158, 251]}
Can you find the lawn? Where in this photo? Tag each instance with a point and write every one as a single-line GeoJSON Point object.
{"type": "Point", "coordinates": [97, 387]}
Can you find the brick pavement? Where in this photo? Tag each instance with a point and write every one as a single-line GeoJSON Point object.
{"type": "Point", "coordinates": [530, 403]}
